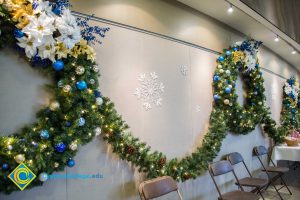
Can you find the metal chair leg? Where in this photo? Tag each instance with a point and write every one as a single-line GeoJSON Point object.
{"type": "Point", "coordinates": [277, 192]}
{"type": "Point", "coordinates": [285, 185]}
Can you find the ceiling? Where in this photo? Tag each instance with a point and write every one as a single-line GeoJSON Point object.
{"type": "Point", "coordinates": [249, 22]}
{"type": "Point", "coordinates": [282, 13]}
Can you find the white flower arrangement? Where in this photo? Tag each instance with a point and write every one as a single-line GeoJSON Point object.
{"type": "Point", "coordinates": [39, 36]}
{"type": "Point", "coordinates": [291, 89]}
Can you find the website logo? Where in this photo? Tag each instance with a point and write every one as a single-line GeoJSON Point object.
{"type": "Point", "coordinates": [22, 176]}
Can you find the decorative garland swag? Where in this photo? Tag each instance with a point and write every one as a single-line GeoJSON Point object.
{"type": "Point", "coordinates": [78, 109]}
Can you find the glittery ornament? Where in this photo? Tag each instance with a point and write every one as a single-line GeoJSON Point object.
{"type": "Point", "coordinates": [80, 70]}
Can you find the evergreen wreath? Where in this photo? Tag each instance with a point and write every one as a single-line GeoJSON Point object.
{"type": "Point", "coordinates": [78, 111]}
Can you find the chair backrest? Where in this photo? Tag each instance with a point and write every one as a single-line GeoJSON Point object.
{"type": "Point", "coordinates": [158, 187]}
{"type": "Point", "coordinates": [219, 168]}
{"type": "Point", "coordinates": [260, 150]}
{"type": "Point", "coordinates": [235, 158]}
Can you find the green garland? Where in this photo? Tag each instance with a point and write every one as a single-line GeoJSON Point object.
{"type": "Point", "coordinates": [63, 120]}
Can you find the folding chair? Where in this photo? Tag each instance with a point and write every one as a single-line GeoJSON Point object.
{"type": "Point", "coordinates": [257, 183]}
{"type": "Point", "coordinates": [158, 187]}
{"type": "Point", "coordinates": [259, 151]}
{"type": "Point", "coordinates": [224, 167]}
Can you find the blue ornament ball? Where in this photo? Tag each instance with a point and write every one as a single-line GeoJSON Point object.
{"type": "Point", "coordinates": [44, 134]}
{"type": "Point", "coordinates": [18, 33]}
{"type": "Point", "coordinates": [288, 105]}
{"type": "Point", "coordinates": [216, 97]}
{"type": "Point", "coordinates": [71, 163]}
{"type": "Point", "coordinates": [81, 85]}
{"type": "Point", "coordinates": [235, 48]}
{"type": "Point", "coordinates": [227, 90]}
{"type": "Point", "coordinates": [293, 110]}
{"type": "Point", "coordinates": [97, 93]}
{"type": "Point", "coordinates": [81, 121]}
{"type": "Point", "coordinates": [221, 59]}
{"type": "Point", "coordinates": [228, 53]}
{"type": "Point", "coordinates": [43, 176]}
{"type": "Point", "coordinates": [216, 78]}
{"type": "Point", "coordinates": [60, 147]}
{"type": "Point", "coordinates": [58, 65]}
{"type": "Point", "coordinates": [5, 166]}
{"type": "Point", "coordinates": [68, 124]}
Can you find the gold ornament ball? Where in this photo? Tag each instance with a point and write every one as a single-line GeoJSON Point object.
{"type": "Point", "coordinates": [56, 164]}
{"type": "Point", "coordinates": [67, 88]}
{"type": "Point", "coordinates": [226, 101]}
{"type": "Point", "coordinates": [54, 105]}
{"type": "Point", "coordinates": [73, 146]}
{"type": "Point", "coordinates": [19, 158]}
{"type": "Point", "coordinates": [80, 70]}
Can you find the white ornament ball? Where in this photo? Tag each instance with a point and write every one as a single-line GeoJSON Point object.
{"type": "Point", "coordinates": [67, 88]}
{"type": "Point", "coordinates": [9, 147]}
{"type": "Point", "coordinates": [54, 105]}
{"type": "Point", "coordinates": [19, 158]}
{"type": "Point", "coordinates": [73, 146]}
{"type": "Point", "coordinates": [80, 70]}
{"type": "Point", "coordinates": [230, 86]}
{"type": "Point", "coordinates": [260, 103]}
{"type": "Point", "coordinates": [227, 72]}
{"type": "Point", "coordinates": [226, 101]}
{"type": "Point", "coordinates": [98, 131]}
{"type": "Point", "coordinates": [92, 81]}
{"type": "Point", "coordinates": [220, 66]}
{"type": "Point", "coordinates": [221, 71]}
{"type": "Point", "coordinates": [43, 177]}
{"type": "Point", "coordinates": [99, 101]}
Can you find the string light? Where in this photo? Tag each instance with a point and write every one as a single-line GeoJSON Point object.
{"type": "Point", "coordinates": [276, 39]}
{"type": "Point", "coordinates": [294, 52]}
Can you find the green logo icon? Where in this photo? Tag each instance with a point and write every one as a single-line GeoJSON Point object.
{"type": "Point", "coordinates": [22, 176]}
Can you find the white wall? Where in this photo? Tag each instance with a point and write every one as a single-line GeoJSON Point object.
{"type": "Point", "coordinates": [177, 127]}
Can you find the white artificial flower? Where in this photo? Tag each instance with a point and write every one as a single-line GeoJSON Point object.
{"type": "Point", "coordinates": [68, 28]}
{"type": "Point", "coordinates": [239, 43]}
{"type": "Point", "coordinates": [47, 49]}
{"type": "Point", "coordinates": [44, 8]}
{"type": "Point", "coordinates": [29, 44]}
{"type": "Point", "coordinates": [40, 27]}
{"type": "Point", "coordinates": [287, 88]}
{"type": "Point", "coordinates": [250, 61]}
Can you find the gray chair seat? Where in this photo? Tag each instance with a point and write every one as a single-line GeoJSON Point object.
{"type": "Point", "coordinates": [253, 182]}
{"type": "Point", "coordinates": [240, 195]}
{"type": "Point", "coordinates": [277, 169]}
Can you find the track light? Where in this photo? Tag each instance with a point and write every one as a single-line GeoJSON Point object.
{"type": "Point", "coordinates": [230, 9]}
{"type": "Point", "coordinates": [276, 38]}
{"type": "Point", "coordinates": [294, 52]}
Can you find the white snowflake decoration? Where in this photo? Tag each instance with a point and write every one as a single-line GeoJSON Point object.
{"type": "Point", "coordinates": [150, 90]}
{"type": "Point", "coordinates": [183, 70]}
